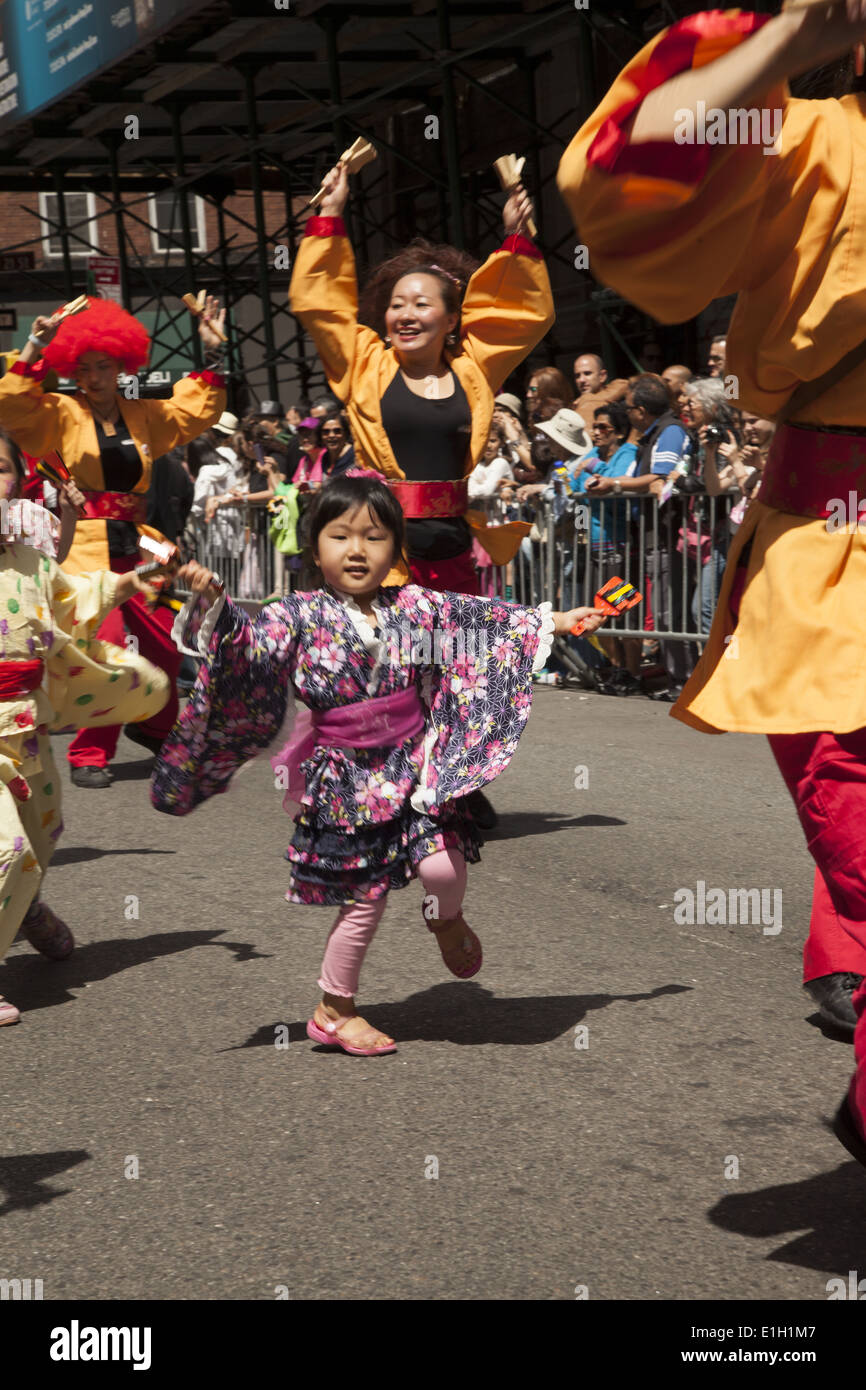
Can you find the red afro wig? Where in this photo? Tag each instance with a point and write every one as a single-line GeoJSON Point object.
{"type": "Point", "coordinates": [103, 327]}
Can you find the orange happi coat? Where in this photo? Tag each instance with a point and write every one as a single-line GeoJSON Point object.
{"type": "Point", "coordinates": [41, 422]}
{"type": "Point", "coordinates": [673, 226]}
{"type": "Point", "coordinates": [507, 309]}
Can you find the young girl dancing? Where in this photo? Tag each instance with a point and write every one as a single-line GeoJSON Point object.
{"type": "Point", "coordinates": [413, 699]}
{"type": "Point", "coordinates": [53, 672]}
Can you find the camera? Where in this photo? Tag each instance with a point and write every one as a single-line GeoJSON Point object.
{"type": "Point", "coordinates": [714, 434]}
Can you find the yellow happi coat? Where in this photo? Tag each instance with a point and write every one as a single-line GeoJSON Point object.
{"type": "Point", "coordinates": [672, 227]}
{"type": "Point", "coordinates": [41, 422]}
{"type": "Point", "coordinates": [507, 308]}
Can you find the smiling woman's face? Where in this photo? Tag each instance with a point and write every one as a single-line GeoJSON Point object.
{"type": "Point", "coordinates": [417, 317]}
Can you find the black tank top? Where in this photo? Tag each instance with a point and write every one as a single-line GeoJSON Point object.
{"type": "Point", "coordinates": [121, 469]}
{"type": "Point", "coordinates": [430, 440]}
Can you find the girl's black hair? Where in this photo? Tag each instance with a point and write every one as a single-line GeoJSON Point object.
{"type": "Point", "coordinates": [15, 454]}
{"type": "Point", "coordinates": [346, 494]}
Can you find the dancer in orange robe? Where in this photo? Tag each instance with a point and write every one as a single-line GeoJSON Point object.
{"type": "Point", "coordinates": [672, 220]}
{"type": "Point", "coordinates": [109, 443]}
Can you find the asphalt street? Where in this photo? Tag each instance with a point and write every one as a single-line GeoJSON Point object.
{"type": "Point", "coordinates": [619, 1101]}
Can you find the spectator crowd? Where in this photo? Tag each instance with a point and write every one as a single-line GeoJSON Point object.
{"type": "Point", "coordinates": [649, 475]}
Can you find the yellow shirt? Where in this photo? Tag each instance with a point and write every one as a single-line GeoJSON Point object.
{"type": "Point", "coordinates": [785, 232]}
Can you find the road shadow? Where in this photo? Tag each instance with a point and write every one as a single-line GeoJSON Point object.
{"type": "Point", "coordinates": [471, 1016]}
{"type": "Point", "coordinates": [830, 1031]}
{"type": "Point", "coordinates": [519, 824]}
{"type": "Point", "coordinates": [22, 1178]}
{"type": "Point", "coordinates": [138, 771]}
{"type": "Point", "coordinates": [827, 1210]}
{"type": "Point", "coordinates": [36, 983]}
{"type": "Point", "coordinates": [79, 854]}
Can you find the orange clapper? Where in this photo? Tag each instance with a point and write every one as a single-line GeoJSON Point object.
{"type": "Point", "coordinates": [613, 598]}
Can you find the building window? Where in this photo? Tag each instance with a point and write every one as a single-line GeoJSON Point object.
{"type": "Point", "coordinates": [81, 221]}
{"type": "Point", "coordinates": [166, 231]}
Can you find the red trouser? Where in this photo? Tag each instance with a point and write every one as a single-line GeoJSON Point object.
{"type": "Point", "coordinates": [152, 628]}
{"type": "Point", "coordinates": [826, 775]}
{"type": "Point", "coordinates": [831, 948]}
{"type": "Point", "coordinates": [457, 574]}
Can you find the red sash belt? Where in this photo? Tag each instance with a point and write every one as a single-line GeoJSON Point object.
{"type": "Point", "coordinates": [447, 498]}
{"type": "Point", "coordinates": [20, 678]}
{"type": "Point", "coordinates": [116, 506]}
{"type": "Point", "coordinates": [807, 469]}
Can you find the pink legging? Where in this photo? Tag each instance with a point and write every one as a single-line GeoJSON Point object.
{"type": "Point", "coordinates": [444, 877]}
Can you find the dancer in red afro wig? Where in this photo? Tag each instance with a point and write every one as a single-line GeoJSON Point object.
{"type": "Point", "coordinates": [102, 327]}
{"type": "Point", "coordinates": [110, 441]}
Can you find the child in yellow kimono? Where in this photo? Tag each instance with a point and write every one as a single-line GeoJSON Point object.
{"type": "Point", "coordinates": [53, 673]}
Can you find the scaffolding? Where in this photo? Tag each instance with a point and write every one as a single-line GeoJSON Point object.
{"type": "Point", "coordinates": [246, 107]}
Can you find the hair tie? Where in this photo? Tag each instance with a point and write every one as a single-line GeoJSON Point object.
{"type": "Point", "coordinates": [365, 473]}
{"type": "Point", "coordinates": [443, 271]}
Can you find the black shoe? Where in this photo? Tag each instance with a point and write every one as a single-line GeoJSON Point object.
{"type": "Point", "coordinates": [624, 683]}
{"type": "Point", "coordinates": [667, 697]}
{"type": "Point", "coordinates": [137, 735]}
{"type": "Point", "coordinates": [833, 994]}
{"type": "Point", "coordinates": [90, 776]}
{"type": "Point", "coordinates": [846, 1131]}
{"type": "Point", "coordinates": [482, 812]}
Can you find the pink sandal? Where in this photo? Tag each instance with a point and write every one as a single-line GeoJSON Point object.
{"type": "Point", "coordinates": [8, 1012]}
{"type": "Point", "coordinates": [469, 943]}
{"type": "Point", "coordinates": [327, 1035]}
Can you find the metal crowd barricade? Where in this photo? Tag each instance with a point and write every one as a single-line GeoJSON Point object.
{"type": "Point", "coordinates": [572, 550]}
{"type": "Point", "coordinates": [654, 545]}
{"type": "Point", "coordinates": [237, 547]}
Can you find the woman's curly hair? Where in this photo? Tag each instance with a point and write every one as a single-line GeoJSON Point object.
{"type": "Point", "coordinates": [441, 261]}
{"type": "Point", "coordinates": [102, 327]}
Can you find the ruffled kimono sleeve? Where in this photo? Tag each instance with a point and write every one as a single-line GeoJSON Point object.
{"type": "Point", "coordinates": [89, 682]}
{"type": "Point", "coordinates": [672, 226]}
{"type": "Point", "coordinates": [238, 705]}
{"type": "Point", "coordinates": [478, 688]}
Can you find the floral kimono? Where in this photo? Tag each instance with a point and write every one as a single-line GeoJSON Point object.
{"type": "Point", "coordinates": [367, 814]}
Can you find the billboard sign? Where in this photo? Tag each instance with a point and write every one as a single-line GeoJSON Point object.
{"type": "Point", "coordinates": [49, 47]}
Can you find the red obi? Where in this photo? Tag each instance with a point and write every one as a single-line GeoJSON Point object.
{"type": "Point", "coordinates": [807, 470]}
{"type": "Point", "coordinates": [448, 498]}
{"type": "Point", "coordinates": [116, 506]}
{"type": "Point", "coordinates": [20, 678]}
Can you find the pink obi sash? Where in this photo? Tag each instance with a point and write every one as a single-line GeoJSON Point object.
{"type": "Point", "coordinates": [20, 678]}
{"type": "Point", "coordinates": [384, 722]}
{"type": "Point", "coordinates": [806, 469]}
{"type": "Point", "coordinates": [116, 506]}
{"type": "Point", "coordinates": [446, 498]}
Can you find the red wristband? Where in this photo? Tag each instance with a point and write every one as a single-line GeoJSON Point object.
{"type": "Point", "coordinates": [521, 246]}
{"type": "Point", "coordinates": [325, 226]}
{"type": "Point", "coordinates": [211, 378]}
